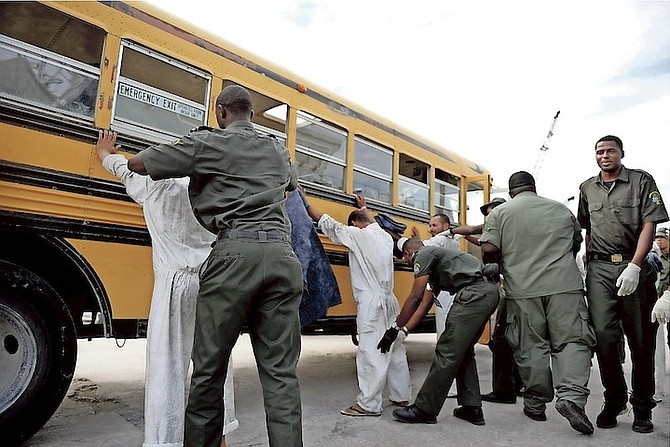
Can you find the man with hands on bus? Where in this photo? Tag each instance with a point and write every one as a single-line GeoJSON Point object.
{"type": "Point", "coordinates": [371, 268]}
{"type": "Point", "coordinates": [179, 247]}
{"type": "Point", "coordinates": [476, 297]}
{"type": "Point", "coordinates": [239, 181]}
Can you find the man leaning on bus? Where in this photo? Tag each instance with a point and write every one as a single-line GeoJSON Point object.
{"type": "Point", "coordinates": [238, 186]}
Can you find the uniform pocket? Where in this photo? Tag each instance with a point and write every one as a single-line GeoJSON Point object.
{"type": "Point", "coordinates": [512, 332]}
{"type": "Point", "coordinates": [596, 213]}
{"type": "Point", "coordinates": [587, 333]}
{"type": "Point", "coordinates": [627, 210]}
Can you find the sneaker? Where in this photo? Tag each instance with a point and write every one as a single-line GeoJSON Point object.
{"type": "Point", "coordinates": [607, 417]}
{"type": "Point", "coordinates": [536, 416]}
{"type": "Point", "coordinates": [499, 398]}
{"type": "Point", "coordinates": [575, 416]}
{"type": "Point", "coordinates": [473, 415]}
{"type": "Point", "coordinates": [642, 422]}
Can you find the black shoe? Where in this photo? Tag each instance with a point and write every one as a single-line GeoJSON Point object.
{"type": "Point", "coordinates": [607, 417]}
{"type": "Point", "coordinates": [575, 415]}
{"type": "Point", "coordinates": [473, 415]}
{"type": "Point", "coordinates": [541, 416]}
{"type": "Point", "coordinates": [413, 415]}
{"type": "Point", "coordinates": [499, 398]}
{"type": "Point", "coordinates": [642, 422]}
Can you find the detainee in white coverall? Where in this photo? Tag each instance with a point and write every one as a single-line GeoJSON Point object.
{"type": "Point", "coordinates": [179, 246]}
{"type": "Point", "coordinates": [371, 269]}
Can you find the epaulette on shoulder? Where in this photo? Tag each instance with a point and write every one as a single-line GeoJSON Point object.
{"type": "Point", "coordinates": [199, 128]}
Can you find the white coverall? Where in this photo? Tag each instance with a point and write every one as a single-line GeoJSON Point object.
{"type": "Point", "coordinates": [371, 269]}
{"type": "Point", "coordinates": [179, 246]}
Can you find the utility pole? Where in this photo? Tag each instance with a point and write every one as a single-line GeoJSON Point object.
{"type": "Point", "coordinates": [544, 148]}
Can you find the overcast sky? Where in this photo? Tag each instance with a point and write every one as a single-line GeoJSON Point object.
{"type": "Point", "coordinates": [481, 78]}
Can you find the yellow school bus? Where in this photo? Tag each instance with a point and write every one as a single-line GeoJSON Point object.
{"type": "Point", "coordinates": [75, 255]}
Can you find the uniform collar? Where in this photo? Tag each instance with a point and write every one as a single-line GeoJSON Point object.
{"type": "Point", "coordinates": [623, 176]}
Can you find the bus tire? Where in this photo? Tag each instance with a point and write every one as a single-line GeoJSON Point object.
{"type": "Point", "coordinates": [38, 352]}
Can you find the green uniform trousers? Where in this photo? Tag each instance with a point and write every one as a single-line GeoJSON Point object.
{"type": "Point", "coordinates": [454, 353]}
{"type": "Point", "coordinates": [553, 343]}
{"type": "Point", "coordinates": [260, 283]}
{"type": "Point", "coordinates": [609, 313]}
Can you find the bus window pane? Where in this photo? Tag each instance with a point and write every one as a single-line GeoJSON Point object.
{"type": "Point", "coordinates": [413, 194]}
{"type": "Point", "coordinates": [446, 200]}
{"type": "Point", "coordinates": [372, 187]}
{"type": "Point", "coordinates": [163, 76]}
{"type": "Point", "coordinates": [52, 31]}
{"type": "Point", "coordinates": [158, 95]}
{"type": "Point", "coordinates": [475, 199]}
{"type": "Point", "coordinates": [45, 82]}
{"type": "Point", "coordinates": [373, 158]}
{"type": "Point", "coordinates": [319, 171]}
{"type": "Point", "coordinates": [321, 138]}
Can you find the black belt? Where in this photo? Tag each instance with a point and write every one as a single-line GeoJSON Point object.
{"type": "Point", "coordinates": [256, 235]}
{"type": "Point", "coordinates": [616, 258]}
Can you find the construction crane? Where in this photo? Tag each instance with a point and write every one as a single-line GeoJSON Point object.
{"type": "Point", "coordinates": [545, 147]}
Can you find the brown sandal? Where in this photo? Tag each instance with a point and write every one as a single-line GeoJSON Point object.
{"type": "Point", "coordinates": [356, 410]}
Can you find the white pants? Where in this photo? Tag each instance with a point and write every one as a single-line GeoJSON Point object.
{"type": "Point", "coordinates": [446, 299]}
{"type": "Point", "coordinates": [169, 345]}
{"type": "Point", "coordinates": [376, 370]}
{"type": "Point", "coordinates": [659, 359]}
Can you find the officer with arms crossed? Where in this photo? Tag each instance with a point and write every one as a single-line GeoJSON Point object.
{"type": "Point", "coordinates": [619, 208]}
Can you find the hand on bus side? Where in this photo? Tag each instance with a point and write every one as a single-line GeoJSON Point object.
{"type": "Point", "coordinates": [106, 144]}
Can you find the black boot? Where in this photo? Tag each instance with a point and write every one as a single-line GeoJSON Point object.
{"type": "Point", "coordinates": [413, 415]}
{"type": "Point", "coordinates": [642, 422]}
{"type": "Point", "coordinates": [473, 415]}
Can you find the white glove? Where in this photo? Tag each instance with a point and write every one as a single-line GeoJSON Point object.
{"type": "Point", "coordinates": [661, 310]}
{"type": "Point", "coordinates": [628, 280]}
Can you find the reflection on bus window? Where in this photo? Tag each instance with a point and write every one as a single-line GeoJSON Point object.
{"type": "Point", "coordinates": [28, 77]}
{"type": "Point", "coordinates": [412, 193]}
{"type": "Point", "coordinates": [447, 197]}
{"type": "Point", "coordinates": [157, 96]}
{"type": "Point", "coordinates": [320, 152]}
{"type": "Point", "coordinates": [372, 170]}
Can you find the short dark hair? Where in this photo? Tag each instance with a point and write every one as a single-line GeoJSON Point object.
{"type": "Point", "coordinates": [358, 215]}
{"type": "Point", "coordinates": [612, 138]}
{"type": "Point", "coordinates": [443, 217]}
{"type": "Point", "coordinates": [236, 99]}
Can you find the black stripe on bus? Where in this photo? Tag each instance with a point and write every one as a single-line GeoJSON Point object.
{"type": "Point", "coordinates": [333, 105]}
{"type": "Point", "coordinates": [72, 228]}
{"type": "Point", "coordinates": [61, 181]}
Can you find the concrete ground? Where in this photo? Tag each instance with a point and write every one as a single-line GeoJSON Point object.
{"type": "Point", "coordinates": [104, 404]}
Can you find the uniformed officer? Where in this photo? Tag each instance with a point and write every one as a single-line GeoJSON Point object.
{"type": "Point", "coordinates": [237, 190]}
{"type": "Point", "coordinates": [475, 300]}
{"type": "Point", "coordinates": [619, 208]}
{"type": "Point", "coordinates": [536, 240]}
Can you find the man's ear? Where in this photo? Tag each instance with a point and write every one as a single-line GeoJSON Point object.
{"type": "Point", "coordinates": [622, 153]}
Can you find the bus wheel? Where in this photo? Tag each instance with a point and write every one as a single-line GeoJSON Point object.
{"type": "Point", "coordinates": [38, 351]}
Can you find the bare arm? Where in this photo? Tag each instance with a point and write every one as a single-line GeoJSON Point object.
{"type": "Point", "coordinates": [490, 253]}
{"type": "Point", "coordinates": [644, 243]}
{"type": "Point", "coordinates": [136, 164]}
{"type": "Point", "coordinates": [421, 311]}
{"type": "Point", "coordinates": [413, 301]}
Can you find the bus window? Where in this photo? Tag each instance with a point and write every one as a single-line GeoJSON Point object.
{"type": "Point", "coordinates": [49, 60]}
{"type": "Point", "coordinates": [320, 152]}
{"type": "Point", "coordinates": [158, 97]}
{"type": "Point", "coordinates": [446, 195]}
{"type": "Point", "coordinates": [373, 166]}
{"type": "Point", "coordinates": [413, 183]}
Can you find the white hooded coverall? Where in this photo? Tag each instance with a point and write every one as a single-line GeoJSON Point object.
{"type": "Point", "coordinates": [179, 246]}
{"type": "Point", "coordinates": [371, 269]}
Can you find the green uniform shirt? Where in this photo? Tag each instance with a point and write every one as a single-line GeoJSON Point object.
{"type": "Point", "coordinates": [238, 177]}
{"type": "Point", "coordinates": [613, 216]}
{"type": "Point", "coordinates": [450, 269]}
{"type": "Point", "coordinates": [536, 237]}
